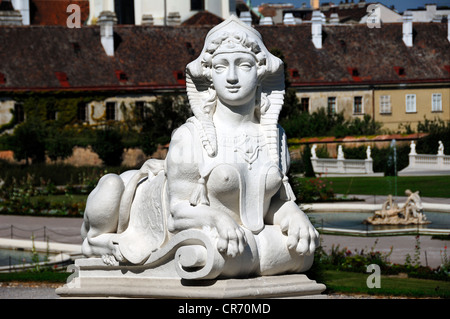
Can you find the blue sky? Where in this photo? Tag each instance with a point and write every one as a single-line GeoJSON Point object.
{"type": "Point", "coordinates": [400, 5]}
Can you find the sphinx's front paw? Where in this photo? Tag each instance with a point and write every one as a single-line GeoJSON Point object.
{"type": "Point", "coordinates": [114, 257]}
{"type": "Point", "coordinates": [109, 260]}
{"type": "Point", "coordinates": [232, 240]}
{"type": "Point", "coordinates": [302, 236]}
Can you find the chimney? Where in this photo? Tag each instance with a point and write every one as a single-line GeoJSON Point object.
{"type": "Point", "coordinates": [8, 15]}
{"type": "Point", "coordinates": [314, 4]}
{"type": "Point", "coordinates": [334, 18]}
{"type": "Point", "coordinates": [24, 7]}
{"type": "Point", "coordinates": [246, 17]}
{"type": "Point", "coordinates": [173, 19]}
{"type": "Point", "coordinates": [288, 19]}
{"type": "Point", "coordinates": [316, 29]}
{"type": "Point", "coordinates": [431, 9]}
{"type": "Point", "coordinates": [108, 5]}
{"type": "Point", "coordinates": [408, 28]}
{"type": "Point", "coordinates": [147, 19]}
{"type": "Point", "coordinates": [266, 21]}
{"type": "Point", "coordinates": [106, 20]}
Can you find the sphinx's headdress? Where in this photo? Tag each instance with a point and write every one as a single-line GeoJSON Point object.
{"type": "Point", "coordinates": [232, 35]}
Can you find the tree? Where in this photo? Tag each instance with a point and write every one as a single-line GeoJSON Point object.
{"type": "Point", "coordinates": [58, 144]}
{"type": "Point", "coordinates": [166, 114]}
{"type": "Point", "coordinates": [438, 131]}
{"type": "Point", "coordinates": [28, 141]}
{"type": "Point", "coordinates": [109, 146]}
{"type": "Point", "coordinates": [306, 158]}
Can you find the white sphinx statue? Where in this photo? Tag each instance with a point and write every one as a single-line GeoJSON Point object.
{"type": "Point", "coordinates": [220, 204]}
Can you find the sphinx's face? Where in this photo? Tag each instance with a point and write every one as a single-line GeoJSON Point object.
{"type": "Point", "coordinates": [235, 78]}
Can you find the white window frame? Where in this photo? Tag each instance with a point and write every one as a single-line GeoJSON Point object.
{"type": "Point", "coordinates": [411, 103]}
{"type": "Point", "coordinates": [335, 104]}
{"type": "Point", "coordinates": [436, 102]}
{"type": "Point", "coordinates": [385, 104]}
{"type": "Point", "coordinates": [362, 105]}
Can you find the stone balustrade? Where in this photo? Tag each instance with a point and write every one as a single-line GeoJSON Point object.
{"type": "Point", "coordinates": [341, 165]}
{"type": "Point", "coordinates": [427, 162]}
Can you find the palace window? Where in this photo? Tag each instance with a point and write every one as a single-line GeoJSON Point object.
{"type": "Point", "coordinates": [357, 105]}
{"type": "Point", "coordinates": [385, 104]}
{"type": "Point", "coordinates": [197, 5]}
{"type": "Point", "coordinates": [19, 113]}
{"type": "Point", "coordinates": [304, 104]}
{"type": "Point", "coordinates": [294, 74]}
{"type": "Point", "coordinates": [332, 109]}
{"type": "Point", "coordinates": [400, 70]}
{"type": "Point", "coordinates": [436, 102]}
{"type": "Point", "coordinates": [124, 10]}
{"type": "Point", "coordinates": [110, 111]}
{"type": "Point", "coordinates": [82, 112]}
{"type": "Point", "coordinates": [410, 103]}
{"type": "Point", "coordinates": [121, 76]}
{"type": "Point", "coordinates": [140, 111]}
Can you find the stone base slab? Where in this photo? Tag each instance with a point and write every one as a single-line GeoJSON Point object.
{"type": "Point", "coordinates": [284, 286]}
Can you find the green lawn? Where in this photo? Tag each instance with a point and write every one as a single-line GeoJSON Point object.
{"type": "Point", "coordinates": [349, 282]}
{"type": "Point", "coordinates": [429, 186]}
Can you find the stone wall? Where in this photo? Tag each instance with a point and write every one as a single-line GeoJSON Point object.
{"type": "Point", "coordinates": [85, 156]}
{"type": "Point", "coordinates": [332, 143]}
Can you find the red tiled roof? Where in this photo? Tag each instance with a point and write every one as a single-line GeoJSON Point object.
{"type": "Point", "coordinates": [152, 57]}
{"type": "Point", "coordinates": [373, 52]}
{"type": "Point", "coordinates": [202, 18]}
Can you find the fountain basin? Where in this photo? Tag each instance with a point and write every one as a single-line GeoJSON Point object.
{"type": "Point", "coordinates": [59, 254]}
{"type": "Point", "coordinates": [348, 218]}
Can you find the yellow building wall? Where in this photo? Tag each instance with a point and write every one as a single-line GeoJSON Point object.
{"type": "Point", "coordinates": [344, 101]}
{"type": "Point", "coordinates": [399, 117]}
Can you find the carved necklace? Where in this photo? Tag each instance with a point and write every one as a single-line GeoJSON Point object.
{"type": "Point", "coordinates": [247, 146]}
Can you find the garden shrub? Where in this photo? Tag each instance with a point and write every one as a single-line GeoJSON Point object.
{"type": "Point", "coordinates": [166, 114]}
{"type": "Point", "coordinates": [307, 164]}
{"type": "Point", "coordinates": [357, 261]}
{"type": "Point", "coordinates": [313, 190]}
{"type": "Point", "coordinates": [28, 141]}
{"type": "Point", "coordinates": [58, 144]}
{"type": "Point", "coordinates": [382, 157]}
{"type": "Point", "coordinates": [109, 146]}
{"type": "Point", "coordinates": [438, 131]}
{"type": "Point", "coordinates": [322, 123]}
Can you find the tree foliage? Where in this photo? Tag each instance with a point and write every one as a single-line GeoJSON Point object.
{"type": "Point", "coordinates": [109, 146]}
{"type": "Point", "coordinates": [58, 144]}
{"type": "Point", "coordinates": [438, 131]}
{"type": "Point", "coordinates": [28, 141]}
{"type": "Point", "coordinates": [322, 123]}
{"type": "Point", "coordinates": [166, 114]}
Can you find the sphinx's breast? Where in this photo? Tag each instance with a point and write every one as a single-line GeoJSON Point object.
{"type": "Point", "coordinates": [235, 188]}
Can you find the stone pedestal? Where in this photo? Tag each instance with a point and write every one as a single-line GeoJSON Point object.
{"type": "Point", "coordinates": [283, 286]}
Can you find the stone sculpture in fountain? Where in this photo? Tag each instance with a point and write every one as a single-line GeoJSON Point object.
{"type": "Point", "coordinates": [411, 212]}
{"type": "Point", "coordinates": [220, 204]}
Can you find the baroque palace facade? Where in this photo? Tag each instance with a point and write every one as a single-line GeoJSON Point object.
{"type": "Point", "coordinates": [398, 73]}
